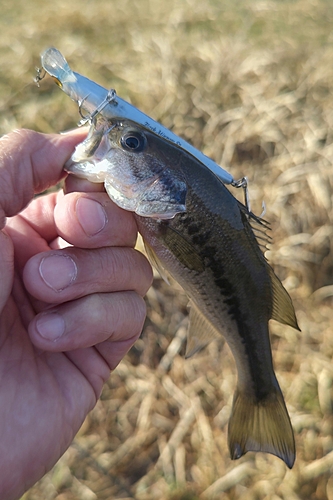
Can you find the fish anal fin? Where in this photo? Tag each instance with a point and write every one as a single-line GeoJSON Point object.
{"type": "Point", "coordinates": [282, 308]}
{"type": "Point", "coordinates": [261, 426]}
{"type": "Point", "coordinates": [200, 331]}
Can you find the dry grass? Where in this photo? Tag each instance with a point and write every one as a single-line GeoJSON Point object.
{"type": "Point", "coordinates": [252, 87]}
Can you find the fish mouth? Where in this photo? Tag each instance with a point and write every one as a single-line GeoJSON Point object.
{"type": "Point", "coordinates": [93, 170]}
{"type": "Point", "coordinates": [91, 158]}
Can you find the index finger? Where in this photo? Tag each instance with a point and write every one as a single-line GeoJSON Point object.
{"type": "Point", "coordinates": [31, 162]}
{"type": "Point", "coordinates": [92, 220]}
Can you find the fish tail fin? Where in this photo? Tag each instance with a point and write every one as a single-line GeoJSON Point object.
{"type": "Point", "coordinates": [261, 426]}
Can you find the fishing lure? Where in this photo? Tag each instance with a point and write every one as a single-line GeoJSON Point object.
{"type": "Point", "coordinates": [98, 100]}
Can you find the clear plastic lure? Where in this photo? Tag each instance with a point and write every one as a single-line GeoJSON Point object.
{"type": "Point", "coordinates": [98, 100]}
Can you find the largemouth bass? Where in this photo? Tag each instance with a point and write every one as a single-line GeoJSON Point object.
{"type": "Point", "coordinates": [196, 232]}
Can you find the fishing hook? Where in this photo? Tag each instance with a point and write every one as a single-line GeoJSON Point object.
{"type": "Point", "coordinates": [40, 74]}
{"type": "Point", "coordinates": [85, 119]}
{"type": "Point", "coordinates": [244, 183]}
{"type": "Point", "coordinates": [263, 207]}
{"type": "Point", "coordinates": [107, 100]}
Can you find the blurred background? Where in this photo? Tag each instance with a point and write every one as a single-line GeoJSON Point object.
{"type": "Point", "coordinates": [250, 83]}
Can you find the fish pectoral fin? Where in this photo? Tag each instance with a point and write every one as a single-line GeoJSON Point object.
{"type": "Point", "coordinates": [183, 250]}
{"type": "Point", "coordinates": [283, 310]}
{"type": "Point", "coordinates": [261, 426]}
{"type": "Point", "coordinates": [155, 262]}
{"type": "Point", "coordinates": [200, 331]}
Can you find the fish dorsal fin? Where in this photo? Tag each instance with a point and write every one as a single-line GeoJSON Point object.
{"type": "Point", "coordinates": [200, 331]}
{"type": "Point", "coordinates": [282, 306]}
{"type": "Point", "coordinates": [260, 228]}
{"type": "Point", "coordinates": [264, 240]}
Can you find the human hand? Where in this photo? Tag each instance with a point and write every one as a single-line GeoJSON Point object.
{"type": "Point", "coordinates": [67, 315]}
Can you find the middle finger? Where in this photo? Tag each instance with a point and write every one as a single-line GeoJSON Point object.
{"type": "Point", "coordinates": [61, 275]}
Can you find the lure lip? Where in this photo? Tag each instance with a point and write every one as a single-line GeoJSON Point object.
{"type": "Point", "coordinates": [96, 99]}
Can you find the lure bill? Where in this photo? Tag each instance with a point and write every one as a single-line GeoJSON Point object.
{"type": "Point", "coordinates": [98, 100]}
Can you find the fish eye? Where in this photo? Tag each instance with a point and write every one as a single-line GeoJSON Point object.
{"type": "Point", "coordinates": [133, 141]}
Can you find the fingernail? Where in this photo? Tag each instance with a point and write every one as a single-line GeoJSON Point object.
{"type": "Point", "coordinates": [91, 216]}
{"type": "Point", "coordinates": [50, 326]}
{"type": "Point", "coordinates": [58, 271]}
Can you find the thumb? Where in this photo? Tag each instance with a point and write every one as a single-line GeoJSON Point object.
{"type": "Point", "coordinates": [31, 162]}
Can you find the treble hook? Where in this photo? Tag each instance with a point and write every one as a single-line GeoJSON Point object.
{"type": "Point", "coordinates": [40, 74]}
{"type": "Point", "coordinates": [263, 208]}
{"type": "Point", "coordinates": [243, 183]}
{"type": "Point", "coordinates": [107, 100]}
{"type": "Point", "coordinates": [85, 119]}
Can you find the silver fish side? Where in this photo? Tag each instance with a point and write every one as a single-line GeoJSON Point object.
{"type": "Point", "coordinates": [196, 232]}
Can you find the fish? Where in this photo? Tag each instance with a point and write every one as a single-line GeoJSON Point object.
{"type": "Point", "coordinates": [198, 234]}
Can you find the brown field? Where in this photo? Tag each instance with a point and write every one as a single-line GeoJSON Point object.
{"type": "Point", "coordinates": [251, 84]}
